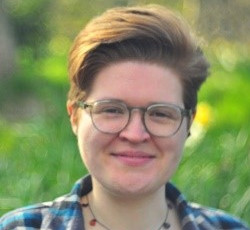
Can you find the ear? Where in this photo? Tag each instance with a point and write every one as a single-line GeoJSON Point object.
{"type": "Point", "coordinates": [73, 116]}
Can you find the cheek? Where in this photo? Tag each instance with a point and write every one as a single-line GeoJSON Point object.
{"type": "Point", "coordinates": [180, 141]}
{"type": "Point", "coordinates": [91, 143]}
{"type": "Point", "coordinates": [181, 138]}
{"type": "Point", "coordinates": [172, 147]}
{"type": "Point", "coordinates": [85, 135]}
{"type": "Point", "coordinates": [89, 147]}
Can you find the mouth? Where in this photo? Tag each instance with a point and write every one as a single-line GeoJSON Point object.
{"type": "Point", "coordinates": [133, 158]}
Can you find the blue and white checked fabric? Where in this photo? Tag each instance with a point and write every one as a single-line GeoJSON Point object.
{"type": "Point", "coordinates": [66, 213]}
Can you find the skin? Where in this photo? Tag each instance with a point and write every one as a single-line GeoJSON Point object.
{"type": "Point", "coordinates": [115, 160]}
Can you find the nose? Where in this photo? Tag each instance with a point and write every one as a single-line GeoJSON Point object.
{"type": "Point", "coordinates": [135, 131]}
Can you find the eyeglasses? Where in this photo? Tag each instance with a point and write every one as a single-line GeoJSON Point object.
{"type": "Point", "coordinates": [112, 116]}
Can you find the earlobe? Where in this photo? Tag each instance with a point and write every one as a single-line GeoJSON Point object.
{"type": "Point", "coordinates": [73, 116]}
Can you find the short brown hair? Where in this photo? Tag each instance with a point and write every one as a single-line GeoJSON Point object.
{"type": "Point", "coordinates": [150, 33]}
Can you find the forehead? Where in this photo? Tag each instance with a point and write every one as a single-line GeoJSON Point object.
{"type": "Point", "coordinates": [137, 82]}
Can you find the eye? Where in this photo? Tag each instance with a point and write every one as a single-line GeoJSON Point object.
{"type": "Point", "coordinates": [163, 113]}
{"type": "Point", "coordinates": [112, 110]}
{"type": "Point", "coordinates": [160, 114]}
{"type": "Point", "coordinates": [109, 109]}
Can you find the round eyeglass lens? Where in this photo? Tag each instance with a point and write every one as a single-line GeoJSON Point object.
{"type": "Point", "coordinates": [163, 120]}
{"type": "Point", "coordinates": [109, 117]}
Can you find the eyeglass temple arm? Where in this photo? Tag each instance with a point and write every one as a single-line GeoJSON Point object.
{"type": "Point", "coordinates": [187, 112]}
{"type": "Point", "coordinates": [82, 104]}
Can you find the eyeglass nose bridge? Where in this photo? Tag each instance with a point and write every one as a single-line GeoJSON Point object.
{"type": "Point", "coordinates": [142, 111]}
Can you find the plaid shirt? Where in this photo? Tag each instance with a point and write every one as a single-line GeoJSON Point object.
{"type": "Point", "coordinates": [66, 213]}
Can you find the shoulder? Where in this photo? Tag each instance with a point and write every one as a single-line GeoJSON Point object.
{"type": "Point", "coordinates": [57, 214]}
{"type": "Point", "coordinates": [30, 217]}
{"type": "Point", "coordinates": [195, 216]}
{"type": "Point", "coordinates": [62, 213]}
{"type": "Point", "coordinates": [215, 219]}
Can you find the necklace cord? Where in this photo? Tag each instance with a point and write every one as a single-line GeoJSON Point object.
{"type": "Point", "coordinates": [94, 220]}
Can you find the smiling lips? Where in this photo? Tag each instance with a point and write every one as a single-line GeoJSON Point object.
{"type": "Point", "coordinates": [133, 158]}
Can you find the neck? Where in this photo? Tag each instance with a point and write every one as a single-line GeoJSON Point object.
{"type": "Point", "coordinates": [124, 212]}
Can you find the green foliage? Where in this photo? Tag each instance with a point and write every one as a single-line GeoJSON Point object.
{"type": "Point", "coordinates": [215, 167]}
{"type": "Point", "coordinates": [29, 21]}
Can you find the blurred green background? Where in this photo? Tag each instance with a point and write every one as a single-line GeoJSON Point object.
{"type": "Point", "coordinates": [39, 159]}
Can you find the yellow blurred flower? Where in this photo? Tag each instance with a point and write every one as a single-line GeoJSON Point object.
{"type": "Point", "coordinates": [203, 114]}
{"type": "Point", "coordinates": [203, 119]}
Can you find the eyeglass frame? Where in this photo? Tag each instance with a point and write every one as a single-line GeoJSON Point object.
{"type": "Point", "coordinates": [184, 113]}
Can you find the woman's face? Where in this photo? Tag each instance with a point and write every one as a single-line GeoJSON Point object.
{"type": "Point", "coordinates": [115, 160]}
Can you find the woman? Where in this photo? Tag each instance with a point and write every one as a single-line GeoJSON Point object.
{"type": "Point", "coordinates": [134, 75]}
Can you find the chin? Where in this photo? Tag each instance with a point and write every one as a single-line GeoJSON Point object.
{"type": "Point", "coordinates": [134, 186]}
